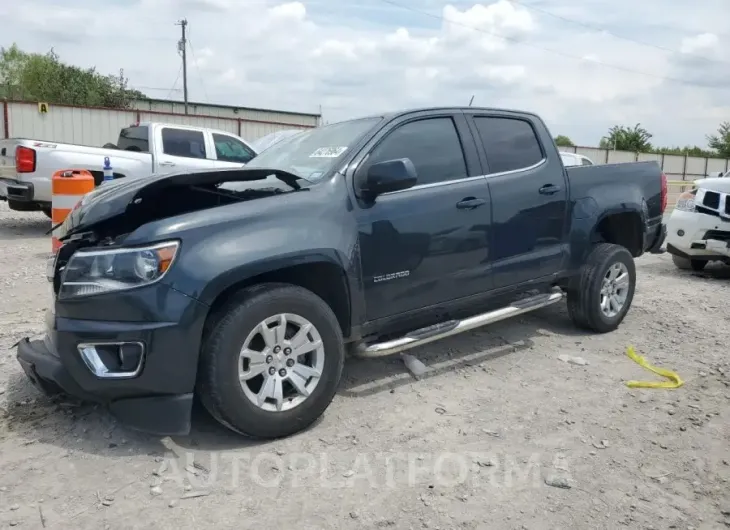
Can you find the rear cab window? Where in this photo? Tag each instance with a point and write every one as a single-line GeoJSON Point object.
{"type": "Point", "coordinates": [134, 139]}
{"type": "Point", "coordinates": [510, 144]}
{"type": "Point", "coordinates": [183, 142]}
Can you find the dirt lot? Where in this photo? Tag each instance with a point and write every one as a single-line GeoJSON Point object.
{"type": "Point", "coordinates": [483, 441]}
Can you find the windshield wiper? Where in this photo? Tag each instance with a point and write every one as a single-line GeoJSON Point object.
{"type": "Point", "coordinates": [53, 228]}
{"type": "Point", "coordinates": [287, 177]}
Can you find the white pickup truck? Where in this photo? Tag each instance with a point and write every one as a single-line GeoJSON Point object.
{"type": "Point", "coordinates": [26, 166]}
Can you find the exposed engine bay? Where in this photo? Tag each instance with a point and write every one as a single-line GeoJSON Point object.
{"type": "Point", "coordinates": [108, 215]}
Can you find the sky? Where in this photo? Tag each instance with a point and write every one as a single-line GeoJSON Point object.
{"type": "Point", "coordinates": [583, 66]}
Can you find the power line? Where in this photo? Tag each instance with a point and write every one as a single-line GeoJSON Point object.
{"type": "Point", "coordinates": [609, 32]}
{"type": "Point", "coordinates": [177, 78]}
{"type": "Point", "coordinates": [197, 69]}
{"type": "Point", "coordinates": [549, 50]}
{"type": "Point", "coordinates": [182, 48]}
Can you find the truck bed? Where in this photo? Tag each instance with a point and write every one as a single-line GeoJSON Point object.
{"type": "Point", "coordinates": [52, 156]}
{"type": "Point", "coordinates": [609, 183]}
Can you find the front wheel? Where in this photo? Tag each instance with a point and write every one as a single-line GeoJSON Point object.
{"type": "Point", "coordinates": [271, 363]}
{"type": "Point", "coordinates": [687, 264]}
{"type": "Point", "coordinates": [605, 289]}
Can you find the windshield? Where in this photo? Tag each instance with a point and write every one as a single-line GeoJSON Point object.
{"type": "Point", "coordinates": [267, 141]}
{"type": "Point", "coordinates": [313, 153]}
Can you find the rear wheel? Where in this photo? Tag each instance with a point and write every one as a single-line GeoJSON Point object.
{"type": "Point", "coordinates": [687, 264]}
{"type": "Point", "coordinates": [271, 363]}
{"type": "Point", "coordinates": [605, 289]}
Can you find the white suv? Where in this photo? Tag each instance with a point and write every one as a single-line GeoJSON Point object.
{"type": "Point", "coordinates": [698, 231]}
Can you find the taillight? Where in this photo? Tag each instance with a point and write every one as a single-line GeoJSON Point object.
{"type": "Point", "coordinates": [24, 159]}
{"type": "Point", "coordinates": [664, 192]}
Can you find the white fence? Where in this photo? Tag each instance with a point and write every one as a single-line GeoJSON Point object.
{"type": "Point", "coordinates": [675, 167]}
{"type": "Point", "coordinates": [96, 126]}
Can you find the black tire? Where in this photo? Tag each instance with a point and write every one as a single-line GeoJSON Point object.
{"type": "Point", "coordinates": [686, 264]}
{"type": "Point", "coordinates": [584, 298]}
{"type": "Point", "coordinates": [218, 386]}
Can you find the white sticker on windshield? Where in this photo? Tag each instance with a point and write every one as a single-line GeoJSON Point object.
{"type": "Point", "coordinates": [328, 152]}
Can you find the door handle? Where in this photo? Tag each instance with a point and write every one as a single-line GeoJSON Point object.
{"type": "Point", "coordinates": [169, 164]}
{"type": "Point", "coordinates": [549, 189]}
{"type": "Point", "coordinates": [469, 203]}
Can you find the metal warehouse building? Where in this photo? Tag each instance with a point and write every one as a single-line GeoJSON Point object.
{"type": "Point", "coordinates": [97, 126]}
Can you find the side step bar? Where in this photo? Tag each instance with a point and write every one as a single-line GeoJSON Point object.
{"type": "Point", "coordinates": [453, 327]}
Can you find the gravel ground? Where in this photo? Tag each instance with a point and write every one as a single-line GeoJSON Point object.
{"type": "Point", "coordinates": [500, 433]}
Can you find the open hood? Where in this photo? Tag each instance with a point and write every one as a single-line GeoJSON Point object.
{"type": "Point", "coordinates": [130, 196]}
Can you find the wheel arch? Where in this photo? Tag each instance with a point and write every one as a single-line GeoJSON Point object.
{"type": "Point", "coordinates": [323, 276]}
{"type": "Point", "coordinates": [621, 227]}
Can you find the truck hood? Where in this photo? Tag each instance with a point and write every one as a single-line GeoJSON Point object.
{"type": "Point", "coordinates": [718, 184]}
{"type": "Point", "coordinates": [113, 199]}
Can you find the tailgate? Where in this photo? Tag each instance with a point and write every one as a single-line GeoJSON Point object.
{"type": "Point", "coordinates": [7, 158]}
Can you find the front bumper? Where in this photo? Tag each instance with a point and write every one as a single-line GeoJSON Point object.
{"type": "Point", "coordinates": [159, 399]}
{"type": "Point", "coordinates": [694, 235]}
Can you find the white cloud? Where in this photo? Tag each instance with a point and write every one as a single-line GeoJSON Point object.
{"type": "Point", "coordinates": [358, 58]}
{"type": "Point", "coordinates": [699, 43]}
{"type": "Point", "coordinates": [292, 10]}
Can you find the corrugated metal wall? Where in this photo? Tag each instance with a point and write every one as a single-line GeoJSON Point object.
{"type": "Point", "coordinates": [95, 127]}
{"type": "Point", "coordinates": [73, 125]}
{"type": "Point", "coordinates": [230, 126]}
{"type": "Point", "coordinates": [234, 113]}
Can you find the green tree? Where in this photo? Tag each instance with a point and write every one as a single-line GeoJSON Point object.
{"type": "Point", "coordinates": [43, 77]}
{"type": "Point", "coordinates": [689, 150]}
{"type": "Point", "coordinates": [720, 142]}
{"type": "Point", "coordinates": [622, 138]}
{"type": "Point", "coordinates": [563, 141]}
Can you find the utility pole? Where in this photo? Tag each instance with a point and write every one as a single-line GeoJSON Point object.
{"type": "Point", "coordinates": [182, 48]}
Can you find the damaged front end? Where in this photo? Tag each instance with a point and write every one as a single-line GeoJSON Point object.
{"type": "Point", "coordinates": [115, 333]}
{"type": "Point", "coordinates": [104, 219]}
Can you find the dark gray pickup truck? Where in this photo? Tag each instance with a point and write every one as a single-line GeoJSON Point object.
{"type": "Point", "coordinates": [249, 286]}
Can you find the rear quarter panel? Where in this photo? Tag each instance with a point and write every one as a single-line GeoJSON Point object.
{"type": "Point", "coordinates": [603, 190]}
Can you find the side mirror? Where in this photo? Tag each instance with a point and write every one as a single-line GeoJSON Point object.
{"type": "Point", "coordinates": [391, 175]}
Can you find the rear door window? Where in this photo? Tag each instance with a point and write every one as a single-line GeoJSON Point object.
{"type": "Point", "coordinates": [510, 143]}
{"type": "Point", "coordinates": [183, 142]}
{"type": "Point", "coordinates": [229, 149]}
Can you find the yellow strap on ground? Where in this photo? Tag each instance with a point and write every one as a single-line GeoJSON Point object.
{"type": "Point", "coordinates": [674, 380]}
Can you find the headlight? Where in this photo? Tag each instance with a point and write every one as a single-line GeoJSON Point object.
{"type": "Point", "coordinates": [103, 271]}
{"type": "Point", "coordinates": [686, 201]}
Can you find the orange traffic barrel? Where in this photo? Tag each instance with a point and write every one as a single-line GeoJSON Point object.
{"type": "Point", "coordinates": [68, 188]}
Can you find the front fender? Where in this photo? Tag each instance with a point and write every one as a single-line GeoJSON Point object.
{"type": "Point", "coordinates": [230, 244]}
{"type": "Point", "coordinates": [245, 271]}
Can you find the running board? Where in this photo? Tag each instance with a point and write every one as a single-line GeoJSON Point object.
{"type": "Point", "coordinates": [442, 330]}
